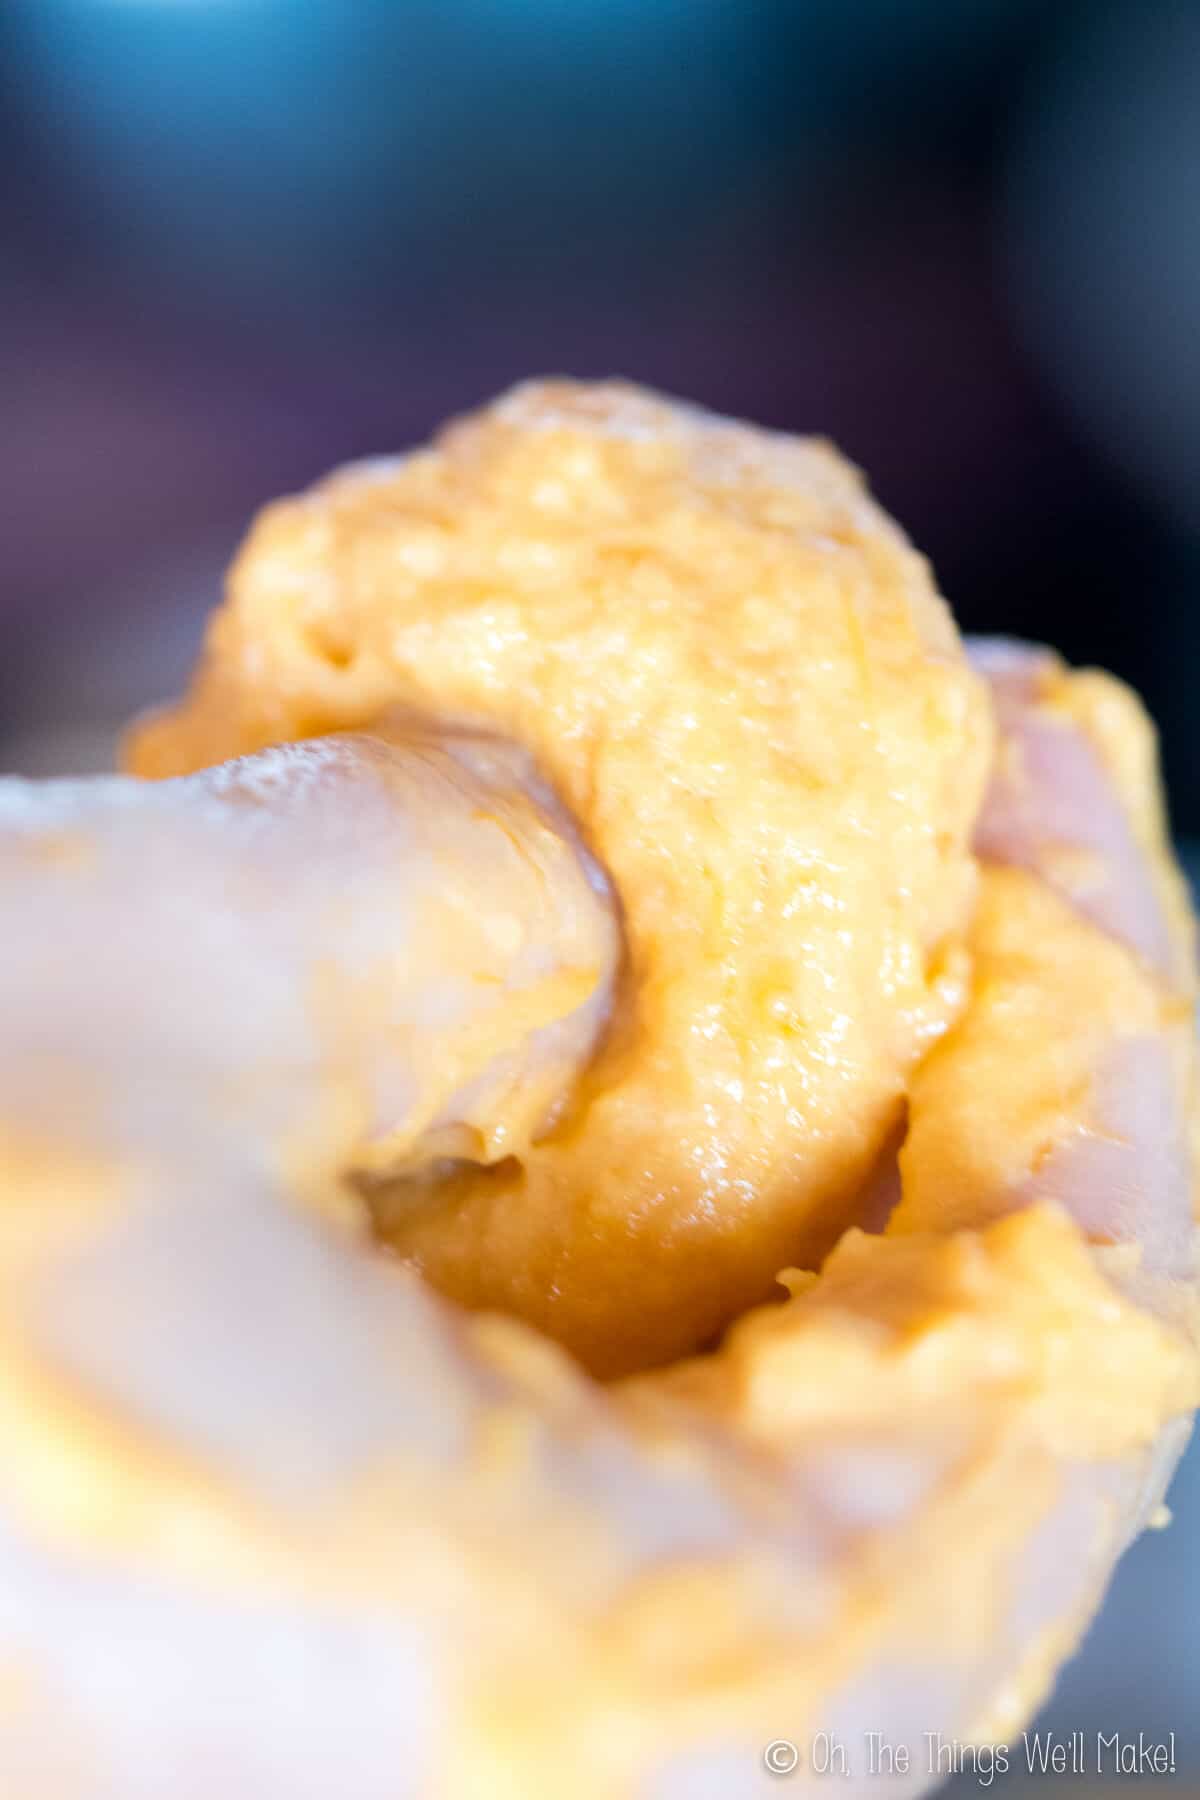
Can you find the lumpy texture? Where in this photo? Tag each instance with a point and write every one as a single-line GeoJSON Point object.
{"type": "Point", "coordinates": [276, 1522]}
{"type": "Point", "coordinates": [740, 679]}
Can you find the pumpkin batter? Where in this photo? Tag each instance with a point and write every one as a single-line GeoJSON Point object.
{"type": "Point", "coordinates": [316, 1532]}
{"type": "Point", "coordinates": [741, 681]}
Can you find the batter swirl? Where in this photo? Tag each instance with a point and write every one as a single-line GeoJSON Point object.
{"type": "Point", "coordinates": [642, 926]}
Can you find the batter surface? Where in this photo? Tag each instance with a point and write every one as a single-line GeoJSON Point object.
{"type": "Point", "coordinates": [740, 679]}
{"type": "Point", "coordinates": [277, 1522]}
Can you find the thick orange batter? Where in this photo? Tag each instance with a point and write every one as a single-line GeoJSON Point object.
{"type": "Point", "coordinates": [742, 682]}
{"type": "Point", "coordinates": [313, 1527]}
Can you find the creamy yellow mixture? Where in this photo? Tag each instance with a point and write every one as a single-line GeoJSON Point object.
{"type": "Point", "coordinates": [745, 688]}
{"type": "Point", "coordinates": [740, 679]}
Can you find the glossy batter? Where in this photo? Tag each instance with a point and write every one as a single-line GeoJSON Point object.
{"type": "Point", "coordinates": [740, 679]}
{"type": "Point", "coordinates": [275, 1522]}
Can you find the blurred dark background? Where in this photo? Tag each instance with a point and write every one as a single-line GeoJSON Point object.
{"type": "Point", "coordinates": [242, 240]}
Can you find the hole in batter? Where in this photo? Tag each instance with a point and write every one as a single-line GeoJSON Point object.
{"type": "Point", "coordinates": [442, 1183]}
